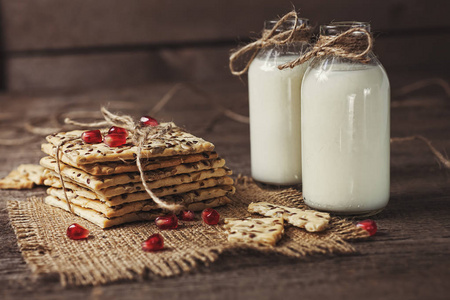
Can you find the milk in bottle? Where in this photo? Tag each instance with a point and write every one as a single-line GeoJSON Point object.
{"type": "Point", "coordinates": [346, 133]}
{"type": "Point", "coordinates": [275, 109]}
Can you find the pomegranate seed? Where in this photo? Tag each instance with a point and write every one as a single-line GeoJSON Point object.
{"type": "Point", "coordinates": [77, 232]}
{"type": "Point", "coordinates": [92, 136]}
{"type": "Point", "coordinates": [167, 222]}
{"type": "Point", "coordinates": [187, 215]}
{"type": "Point", "coordinates": [115, 140]}
{"type": "Point", "coordinates": [154, 243]}
{"type": "Point", "coordinates": [369, 225]}
{"type": "Point", "coordinates": [118, 130]}
{"type": "Point", "coordinates": [210, 216]}
{"type": "Point", "coordinates": [148, 121]}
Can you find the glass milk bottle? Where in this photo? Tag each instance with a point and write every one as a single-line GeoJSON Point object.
{"type": "Point", "coordinates": [345, 131]}
{"type": "Point", "coordinates": [274, 99]}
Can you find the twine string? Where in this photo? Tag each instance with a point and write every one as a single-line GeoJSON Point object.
{"type": "Point", "coordinates": [140, 134]}
{"type": "Point", "coordinates": [58, 165]}
{"type": "Point", "coordinates": [344, 45]}
{"type": "Point", "coordinates": [270, 38]}
{"type": "Point", "coordinates": [440, 157]}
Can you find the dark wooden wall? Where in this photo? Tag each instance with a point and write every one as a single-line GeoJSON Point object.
{"type": "Point", "coordinates": [57, 44]}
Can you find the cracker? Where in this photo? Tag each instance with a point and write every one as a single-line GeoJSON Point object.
{"type": "Point", "coordinates": [33, 172]}
{"type": "Point", "coordinates": [173, 142]}
{"type": "Point", "coordinates": [134, 187]}
{"type": "Point", "coordinates": [201, 194]}
{"type": "Point", "coordinates": [212, 199]}
{"type": "Point", "coordinates": [311, 220]}
{"type": "Point", "coordinates": [104, 222]}
{"type": "Point", "coordinates": [198, 206]}
{"type": "Point", "coordinates": [265, 231]}
{"type": "Point", "coordinates": [223, 182]}
{"type": "Point", "coordinates": [16, 180]}
{"type": "Point", "coordinates": [103, 182]}
{"type": "Point", "coordinates": [24, 177]}
{"type": "Point", "coordinates": [98, 218]}
{"type": "Point", "coordinates": [125, 166]}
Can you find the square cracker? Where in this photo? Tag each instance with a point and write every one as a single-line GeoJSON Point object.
{"type": "Point", "coordinates": [24, 177]}
{"type": "Point", "coordinates": [135, 187]}
{"type": "Point", "coordinates": [213, 198]}
{"type": "Point", "coordinates": [125, 166]}
{"type": "Point", "coordinates": [173, 142]}
{"type": "Point", "coordinates": [264, 231]}
{"type": "Point", "coordinates": [311, 220]}
{"type": "Point", "coordinates": [102, 221]}
{"type": "Point", "coordinates": [33, 172]}
{"type": "Point", "coordinates": [15, 180]}
{"type": "Point", "coordinates": [222, 182]}
{"type": "Point", "coordinates": [98, 218]}
{"type": "Point", "coordinates": [103, 182]}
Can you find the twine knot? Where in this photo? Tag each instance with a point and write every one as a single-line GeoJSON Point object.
{"type": "Point", "coordinates": [269, 38]}
{"type": "Point", "coordinates": [347, 44]}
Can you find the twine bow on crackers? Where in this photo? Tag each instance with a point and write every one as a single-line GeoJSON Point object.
{"type": "Point", "coordinates": [269, 38]}
{"type": "Point", "coordinates": [347, 45]}
{"type": "Point", "coordinates": [140, 134]}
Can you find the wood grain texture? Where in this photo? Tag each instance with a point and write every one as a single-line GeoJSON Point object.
{"type": "Point", "coordinates": [52, 24]}
{"type": "Point", "coordinates": [100, 70]}
{"type": "Point", "coordinates": [205, 64]}
{"type": "Point", "coordinates": [407, 259]}
{"type": "Point", "coordinates": [49, 44]}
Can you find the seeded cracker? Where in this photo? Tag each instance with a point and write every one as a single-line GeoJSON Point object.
{"type": "Point", "coordinates": [104, 222]}
{"type": "Point", "coordinates": [124, 166]}
{"type": "Point", "coordinates": [188, 199]}
{"type": "Point", "coordinates": [16, 181]}
{"type": "Point", "coordinates": [162, 191]}
{"type": "Point", "coordinates": [266, 231]}
{"type": "Point", "coordinates": [33, 172]}
{"type": "Point", "coordinates": [98, 218]}
{"type": "Point", "coordinates": [123, 209]}
{"type": "Point", "coordinates": [105, 186]}
{"type": "Point", "coordinates": [24, 177]}
{"type": "Point", "coordinates": [174, 142]}
{"type": "Point", "coordinates": [311, 220]}
{"type": "Point", "coordinates": [103, 182]}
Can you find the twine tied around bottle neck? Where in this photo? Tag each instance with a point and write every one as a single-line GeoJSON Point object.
{"type": "Point", "coordinates": [271, 37]}
{"type": "Point", "coordinates": [140, 134]}
{"type": "Point", "coordinates": [347, 45]}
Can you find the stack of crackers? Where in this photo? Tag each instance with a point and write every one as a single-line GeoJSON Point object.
{"type": "Point", "coordinates": [104, 186]}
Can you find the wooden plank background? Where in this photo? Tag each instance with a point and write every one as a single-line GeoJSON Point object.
{"type": "Point", "coordinates": [53, 44]}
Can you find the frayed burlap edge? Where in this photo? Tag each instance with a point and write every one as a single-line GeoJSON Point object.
{"type": "Point", "coordinates": [30, 243]}
{"type": "Point", "coordinates": [115, 254]}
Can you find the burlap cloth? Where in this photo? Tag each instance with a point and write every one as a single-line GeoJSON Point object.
{"type": "Point", "coordinates": [115, 254]}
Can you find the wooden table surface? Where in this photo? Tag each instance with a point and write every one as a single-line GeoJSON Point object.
{"type": "Point", "coordinates": [409, 258]}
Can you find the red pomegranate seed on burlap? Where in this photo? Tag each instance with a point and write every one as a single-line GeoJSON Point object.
{"type": "Point", "coordinates": [154, 243]}
{"type": "Point", "coordinates": [210, 216]}
{"type": "Point", "coordinates": [77, 232]}
{"type": "Point", "coordinates": [167, 222]}
{"type": "Point", "coordinates": [187, 215]}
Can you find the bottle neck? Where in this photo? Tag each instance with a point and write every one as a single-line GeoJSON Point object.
{"type": "Point", "coordinates": [292, 50]}
{"type": "Point", "coordinates": [337, 28]}
{"type": "Point", "coordinates": [295, 31]}
{"type": "Point", "coordinates": [347, 41]}
{"type": "Point", "coordinates": [292, 29]}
